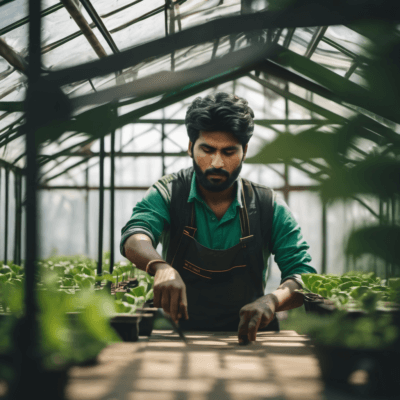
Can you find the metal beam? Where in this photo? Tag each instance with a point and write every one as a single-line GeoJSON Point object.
{"type": "Point", "coordinates": [288, 38]}
{"type": "Point", "coordinates": [296, 16]}
{"type": "Point", "coordinates": [316, 38]}
{"type": "Point", "coordinates": [352, 69]}
{"type": "Point", "coordinates": [100, 25]}
{"type": "Point", "coordinates": [345, 90]}
{"type": "Point", "coordinates": [165, 81]}
{"type": "Point", "coordinates": [297, 188]}
{"type": "Point", "coordinates": [12, 167]}
{"type": "Point", "coordinates": [264, 122]}
{"type": "Point", "coordinates": [334, 118]}
{"type": "Point", "coordinates": [133, 154]}
{"type": "Point", "coordinates": [12, 57]}
{"type": "Point", "coordinates": [84, 27]}
{"type": "Point", "coordinates": [113, 12]}
{"type": "Point", "coordinates": [66, 187]}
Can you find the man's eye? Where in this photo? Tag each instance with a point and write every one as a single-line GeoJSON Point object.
{"type": "Point", "coordinates": [207, 150]}
{"type": "Point", "coordinates": [230, 153]}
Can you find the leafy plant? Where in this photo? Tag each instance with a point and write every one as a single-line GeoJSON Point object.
{"type": "Point", "coordinates": [366, 332]}
{"type": "Point", "coordinates": [354, 289]}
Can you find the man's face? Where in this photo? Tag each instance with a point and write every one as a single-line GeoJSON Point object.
{"type": "Point", "coordinates": [217, 159]}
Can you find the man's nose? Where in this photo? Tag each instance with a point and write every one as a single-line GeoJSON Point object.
{"type": "Point", "coordinates": [217, 161]}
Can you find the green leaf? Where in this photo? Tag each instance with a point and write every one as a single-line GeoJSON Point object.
{"type": "Point", "coordinates": [359, 291]}
{"type": "Point", "coordinates": [379, 240]}
{"type": "Point", "coordinates": [138, 291]}
{"type": "Point", "coordinates": [309, 279]}
{"type": "Point", "coordinates": [129, 298]}
{"type": "Point", "coordinates": [375, 175]}
{"type": "Point", "coordinates": [306, 145]}
{"type": "Point", "coordinates": [315, 286]}
{"type": "Point", "coordinates": [149, 295]}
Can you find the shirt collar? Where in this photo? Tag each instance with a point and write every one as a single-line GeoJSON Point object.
{"type": "Point", "coordinates": [194, 193]}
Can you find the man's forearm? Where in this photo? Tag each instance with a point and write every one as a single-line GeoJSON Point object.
{"type": "Point", "coordinates": [285, 298]}
{"type": "Point", "coordinates": [139, 250]}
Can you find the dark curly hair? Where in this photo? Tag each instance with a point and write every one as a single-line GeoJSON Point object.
{"type": "Point", "coordinates": [220, 112]}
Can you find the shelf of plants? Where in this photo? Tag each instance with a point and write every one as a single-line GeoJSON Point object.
{"type": "Point", "coordinates": [354, 321]}
{"type": "Point", "coordinates": [79, 316]}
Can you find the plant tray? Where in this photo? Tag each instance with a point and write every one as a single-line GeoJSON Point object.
{"type": "Point", "coordinates": [315, 303]}
{"type": "Point", "coordinates": [127, 326]}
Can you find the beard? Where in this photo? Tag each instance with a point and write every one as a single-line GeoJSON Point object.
{"type": "Point", "coordinates": [216, 185]}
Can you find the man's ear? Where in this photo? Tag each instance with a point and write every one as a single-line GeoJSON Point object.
{"type": "Point", "coordinates": [190, 152]}
{"type": "Point", "coordinates": [245, 151]}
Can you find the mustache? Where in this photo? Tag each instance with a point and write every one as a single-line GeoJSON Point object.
{"type": "Point", "coordinates": [214, 171]}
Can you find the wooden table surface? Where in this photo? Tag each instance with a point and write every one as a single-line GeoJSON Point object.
{"type": "Point", "coordinates": [212, 366]}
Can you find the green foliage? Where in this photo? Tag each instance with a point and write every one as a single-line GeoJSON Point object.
{"type": "Point", "coordinates": [381, 240]}
{"type": "Point", "coordinates": [354, 289]}
{"type": "Point", "coordinates": [370, 176]}
{"type": "Point", "coordinates": [74, 318]}
{"type": "Point", "coordinates": [368, 332]}
{"type": "Point", "coordinates": [308, 144]}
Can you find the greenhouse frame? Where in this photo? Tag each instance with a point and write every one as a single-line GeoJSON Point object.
{"type": "Point", "coordinates": [93, 97]}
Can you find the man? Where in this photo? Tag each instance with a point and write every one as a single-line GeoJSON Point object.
{"type": "Point", "coordinates": [217, 231]}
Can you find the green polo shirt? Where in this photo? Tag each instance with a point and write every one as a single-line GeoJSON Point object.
{"type": "Point", "coordinates": [151, 216]}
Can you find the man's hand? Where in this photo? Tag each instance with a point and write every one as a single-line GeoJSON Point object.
{"type": "Point", "coordinates": [254, 316]}
{"type": "Point", "coordinates": [170, 292]}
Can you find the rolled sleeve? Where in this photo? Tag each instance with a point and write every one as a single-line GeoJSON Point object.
{"type": "Point", "coordinates": [149, 216]}
{"type": "Point", "coordinates": [288, 244]}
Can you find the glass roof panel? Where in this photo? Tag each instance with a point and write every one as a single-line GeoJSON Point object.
{"type": "Point", "coordinates": [13, 12]}
{"type": "Point", "coordinates": [348, 39]}
{"type": "Point", "coordinates": [199, 12]}
{"type": "Point", "coordinates": [62, 49]}
{"type": "Point", "coordinates": [18, 39]}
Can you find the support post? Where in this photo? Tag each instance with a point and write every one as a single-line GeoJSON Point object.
{"type": "Point", "coordinates": [6, 201]}
{"type": "Point", "coordinates": [19, 254]}
{"type": "Point", "coordinates": [286, 172]}
{"type": "Point", "coordinates": [162, 147]}
{"type": "Point", "coordinates": [324, 238]}
{"type": "Point", "coordinates": [112, 201]}
{"type": "Point", "coordinates": [27, 357]}
{"type": "Point", "coordinates": [87, 243]}
{"type": "Point", "coordinates": [101, 210]}
{"type": "Point", "coordinates": [17, 223]}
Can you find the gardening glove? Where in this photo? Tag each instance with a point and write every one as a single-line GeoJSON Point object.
{"type": "Point", "coordinates": [254, 316]}
{"type": "Point", "coordinates": [170, 292]}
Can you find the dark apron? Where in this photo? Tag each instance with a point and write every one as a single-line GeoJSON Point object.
{"type": "Point", "coordinates": [218, 282]}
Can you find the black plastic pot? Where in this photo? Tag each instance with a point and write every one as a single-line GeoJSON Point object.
{"type": "Point", "coordinates": [147, 321]}
{"type": "Point", "coordinates": [148, 313]}
{"type": "Point", "coordinates": [132, 282]}
{"type": "Point", "coordinates": [314, 303]}
{"type": "Point", "coordinates": [127, 326]}
{"type": "Point", "coordinates": [381, 367]}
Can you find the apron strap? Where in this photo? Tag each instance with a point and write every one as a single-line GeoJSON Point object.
{"type": "Point", "coordinates": [244, 218]}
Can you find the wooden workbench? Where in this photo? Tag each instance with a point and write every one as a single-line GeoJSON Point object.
{"type": "Point", "coordinates": [213, 366]}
